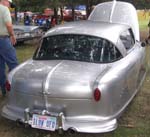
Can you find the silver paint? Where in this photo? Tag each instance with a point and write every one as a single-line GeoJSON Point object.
{"type": "Point", "coordinates": [117, 12]}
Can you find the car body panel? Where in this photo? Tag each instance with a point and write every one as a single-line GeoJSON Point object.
{"type": "Point", "coordinates": [65, 88]}
{"type": "Point", "coordinates": [42, 78]}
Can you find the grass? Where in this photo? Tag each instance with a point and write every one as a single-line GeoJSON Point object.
{"type": "Point", "coordinates": [143, 17]}
{"type": "Point", "coordinates": [143, 24]}
{"type": "Point", "coordinates": [25, 52]}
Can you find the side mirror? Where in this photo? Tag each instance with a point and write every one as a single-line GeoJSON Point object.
{"type": "Point", "coordinates": [143, 44]}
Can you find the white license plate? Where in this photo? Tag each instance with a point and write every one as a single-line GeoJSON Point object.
{"type": "Point", "coordinates": [27, 34]}
{"type": "Point", "coordinates": [44, 122]}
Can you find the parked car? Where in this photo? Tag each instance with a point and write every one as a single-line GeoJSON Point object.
{"type": "Point", "coordinates": [24, 33]}
{"type": "Point", "coordinates": [83, 75]}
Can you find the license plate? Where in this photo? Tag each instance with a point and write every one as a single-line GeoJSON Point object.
{"type": "Point", "coordinates": [44, 122]}
{"type": "Point", "coordinates": [27, 34]}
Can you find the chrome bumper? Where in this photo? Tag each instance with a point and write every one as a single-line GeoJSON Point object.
{"type": "Point", "coordinates": [63, 123]}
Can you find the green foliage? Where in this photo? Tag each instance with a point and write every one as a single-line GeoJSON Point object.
{"type": "Point", "coordinates": [39, 5]}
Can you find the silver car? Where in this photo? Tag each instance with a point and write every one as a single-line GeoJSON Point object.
{"type": "Point", "coordinates": [83, 75]}
{"type": "Point", "coordinates": [25, 33]}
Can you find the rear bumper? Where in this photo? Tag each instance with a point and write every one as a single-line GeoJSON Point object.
{"type": "Point", "coordinates": [65, 123]}
{"type": "Point", "coordinates": [27, 38]}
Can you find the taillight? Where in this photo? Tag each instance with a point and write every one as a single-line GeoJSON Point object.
{"type": "Point", "coordinates": [7, 85]}
{"type": "Point", "coordinates": [97, 94]}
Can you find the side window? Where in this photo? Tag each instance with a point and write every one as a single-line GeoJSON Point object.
{"type": "Point", "coordinates": [127, 39]}
{"type": "Point", "coordinates": [100, 50]}
{"type": "Point", "coordinates": [107, 52]}
{"type": "Point", "coordinates": [111, 53]}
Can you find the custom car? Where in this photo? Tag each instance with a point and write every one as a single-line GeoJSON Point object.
{"type": "Point", "coordinates": [83, 75]}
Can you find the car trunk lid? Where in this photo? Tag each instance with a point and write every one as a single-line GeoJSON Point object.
{"type": "Point", "coordinates": [59, 79]}
{"type": "Point", "coordinates": [112, 12]}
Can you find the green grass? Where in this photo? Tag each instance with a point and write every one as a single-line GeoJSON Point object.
{"type": "Point", "coordinates": [25, 51]}
{"type": "Point", "coordinates": [143, 24]}
{"type": "Point", "coordinates": [143, 17]}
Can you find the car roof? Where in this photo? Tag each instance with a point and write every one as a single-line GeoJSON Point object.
{"type": "Point", "coordinates": [109, 31]}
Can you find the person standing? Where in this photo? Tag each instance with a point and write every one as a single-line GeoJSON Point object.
{"type": "Point", "coordinates": [7, 40]}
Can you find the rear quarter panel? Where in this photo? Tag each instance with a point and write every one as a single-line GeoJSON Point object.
{"type": "Point", "coordinates": [120, 83]}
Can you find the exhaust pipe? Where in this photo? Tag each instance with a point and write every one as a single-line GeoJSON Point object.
{"type": "Point", "coordinates": [19, 122]}
{"type": "Point", "coordinates": [71, 131]}
{"type": "Point", "coordinates": [60, 131]}
{"type": "Point", "coordinates": [26, 115]}
{"type": "Point", "coordinates": [60, 124]}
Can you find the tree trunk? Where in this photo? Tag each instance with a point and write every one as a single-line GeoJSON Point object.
{"type": "Point", "coordinates": [73, 13]}
{"type": "Point", "coordinates": [88, 8]}
{"type": "Point", "coordinates": [61, 14]}
{"type": "Point", "coordinates": [55, 15]}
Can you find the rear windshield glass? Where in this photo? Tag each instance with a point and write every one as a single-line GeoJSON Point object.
{"type": "Point", "coordinates": [78, 48]}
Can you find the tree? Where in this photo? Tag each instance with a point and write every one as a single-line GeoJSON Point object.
{"type": "Point", "coordinates": [39, 5]}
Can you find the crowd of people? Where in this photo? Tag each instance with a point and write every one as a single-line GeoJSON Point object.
{"type": "Point", "coordinates": [39, 20]}
{"type": "Point", "coordinates": [47, 20]}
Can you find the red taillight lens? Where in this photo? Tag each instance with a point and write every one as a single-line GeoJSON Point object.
{"type": "Point", "coordinates": [97, 94]}
{"type": "Point", "coordinates": [7, 85]}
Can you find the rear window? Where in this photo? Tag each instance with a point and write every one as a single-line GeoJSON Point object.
{"type": "Point", "coordinates": [77, 47]}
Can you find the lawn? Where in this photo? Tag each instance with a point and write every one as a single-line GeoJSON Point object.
{"type": "Point", "coordinates": [143, 17]}
{"type": "Point", "coordinates": [25, 51]}
{"type": "Point", "coordinates": [143, 24]}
